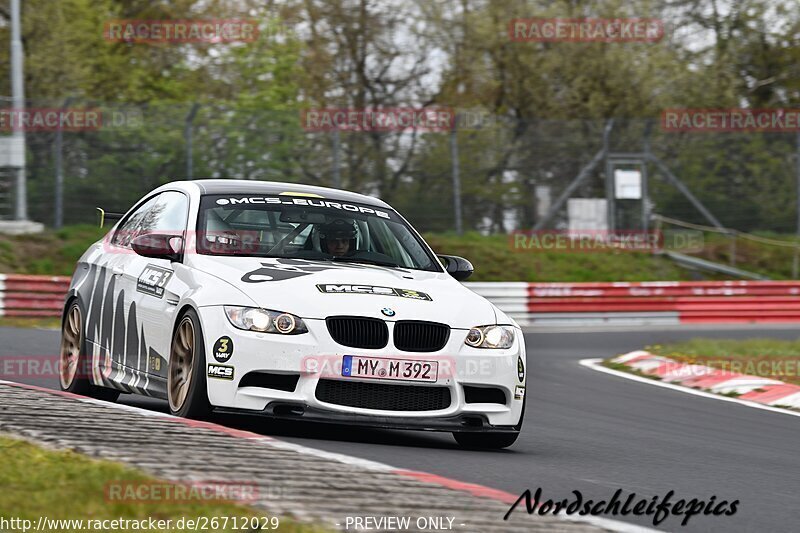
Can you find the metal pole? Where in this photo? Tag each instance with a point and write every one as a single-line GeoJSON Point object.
{"type": "Point", "coordinates": [797, 198]}
{"type": "Point", "coordinates": [18, 99]}
{"type": "Point", "coordinates": [337, 157]}
{"type": "Point", "coordinates": [58, 220]}
{"type": "Point", "coordinates": [645, 206]}
{"type": "Point", "coordinates": [188, 136]}
{"type": "Point", "coordinates": [610, 208]}
{"type": "Point", "coordinates": [645, 184]}
{"type": "Point", "coordinates": [456, 177]}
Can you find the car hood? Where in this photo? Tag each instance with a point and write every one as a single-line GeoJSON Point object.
{"type": "Point", "coordinates": [318, 289]}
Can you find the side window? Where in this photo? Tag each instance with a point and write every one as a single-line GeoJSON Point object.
{"type": "Point", "coordinates": [164, 213]}
{"type": "Point", "coordinates": [133, 225]}
{"type": "Point", "coordinates": [169, 213]}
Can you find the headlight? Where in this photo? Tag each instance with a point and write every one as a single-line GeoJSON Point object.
{"type": "Point", "coordinates": [264, 320]}
{"type": "Point", "coordinates": [498, 337]}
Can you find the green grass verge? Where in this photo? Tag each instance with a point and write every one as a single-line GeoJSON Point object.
{"type": "Point", "coordinates": [775, 262]}
{"type": "Point", "coordinates": [495, 260]}
{"type": "Point", "coordinates": [53, 253]}
{"type": "Point", "coordinates": [36, 482]}
{"type": "Point", "coordinates": [46, 323]}
{"type": "Point", "coordinates": [769, 358]}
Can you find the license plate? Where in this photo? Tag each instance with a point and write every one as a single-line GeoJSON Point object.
{"type": "Point", "coordinates": [354, 366]}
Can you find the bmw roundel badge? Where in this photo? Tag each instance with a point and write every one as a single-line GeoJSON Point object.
{"type": "Point", "coordinates": [387, 311]}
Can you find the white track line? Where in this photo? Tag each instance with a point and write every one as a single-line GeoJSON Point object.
{"type": "Point", "coordinates": [594, 364]}
{"type": "Point", "coordinates": [341, 458]}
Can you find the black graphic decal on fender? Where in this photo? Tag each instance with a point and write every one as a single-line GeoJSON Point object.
{"type": "Point", "coordinates": [114, 336]}
{"type": "Point", "coordinates": [95, 306]}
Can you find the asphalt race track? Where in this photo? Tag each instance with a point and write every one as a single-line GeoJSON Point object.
{"type": "Point", "coordinates": [584, 431]}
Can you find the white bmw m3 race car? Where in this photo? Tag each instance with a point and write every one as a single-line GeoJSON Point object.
{"type": "Point", "coordinates": [290, 301]}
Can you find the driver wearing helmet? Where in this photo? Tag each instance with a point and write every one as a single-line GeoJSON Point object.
{"type": "Point", "coordinates": [338, 237]}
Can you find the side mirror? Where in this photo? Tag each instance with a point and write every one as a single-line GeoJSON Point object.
{"type": "Point", "coordinates": [458, 267]}
{"type": "Point", "coordinates": [158, 246]}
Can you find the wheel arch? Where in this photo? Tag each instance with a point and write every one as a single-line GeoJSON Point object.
{"type": "Point", "coordinates": [71, 297]}
{"type": "Point", "coordinates": [182, 309]}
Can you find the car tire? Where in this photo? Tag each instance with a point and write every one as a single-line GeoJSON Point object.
{"type": "Point", "coordinates": [187, 390]}
{"type": "Point", "coordinates": [74, 364]}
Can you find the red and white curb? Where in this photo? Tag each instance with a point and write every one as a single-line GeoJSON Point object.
{"type": "Point", "coordinates": [2, 294]}
{"type": "Point", "coordinates": [700, 380]}
{"type": "Point", "coordinates": [479, 491]}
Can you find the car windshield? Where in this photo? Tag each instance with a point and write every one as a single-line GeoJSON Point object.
{"type": "Point", "coordinates": [309, 228]}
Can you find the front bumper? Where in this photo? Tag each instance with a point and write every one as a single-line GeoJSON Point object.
{"type": "Point", "coordinates": [314, 355]}
{"type": "Point", "coordinates": [465, 423]}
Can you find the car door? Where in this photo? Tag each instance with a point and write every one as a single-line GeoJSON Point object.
{"type": "Point", "coordinates": [113, 309]}
{"type": "Point", "coordinates": [149, 298]}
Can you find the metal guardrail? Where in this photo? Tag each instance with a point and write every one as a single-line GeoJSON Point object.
{"type": "Point", "coordinates": [532, 304]}
{"type": "Point", "coordinates": [32, 296]}
{"type": "Point", "coordinates": [645, 303]}
{"type": "Point", "coordinates": [687, 261]}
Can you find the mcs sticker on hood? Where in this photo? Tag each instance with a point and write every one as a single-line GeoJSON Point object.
{"type": "Point", "coordinates": [333, 288]}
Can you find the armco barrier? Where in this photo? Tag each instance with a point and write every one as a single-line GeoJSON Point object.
{"type": "Point", "coordinates": [634, 303]}
{"type": "Point", "coordinates": [531, 304]}
{"type": "Point", "coordinates": [32, 296]}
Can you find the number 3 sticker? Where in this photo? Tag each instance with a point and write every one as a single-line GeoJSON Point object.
{"type": "Point", "coordinates": [223, 349]}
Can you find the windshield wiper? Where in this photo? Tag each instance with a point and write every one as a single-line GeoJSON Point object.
{"type": "Point", "coordinates": [345, 259]}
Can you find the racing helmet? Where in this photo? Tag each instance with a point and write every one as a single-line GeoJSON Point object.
{"type": "Point", "coordinates": [337, 229]}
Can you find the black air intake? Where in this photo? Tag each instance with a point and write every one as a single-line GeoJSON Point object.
{"type": "Point", "coordinates": [381, 396]}
{"type": "Point", "coordinates": [484, 395]}
{"type": "Point", "coordinates": [265, 380]}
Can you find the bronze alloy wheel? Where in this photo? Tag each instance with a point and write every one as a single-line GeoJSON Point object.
{"type": "Point", "coordinates": [181, 364]}
{"type": "Point", "coordinates": [71, 342]}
